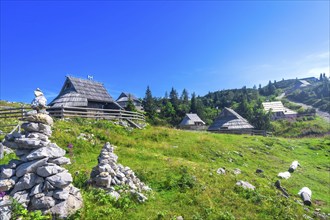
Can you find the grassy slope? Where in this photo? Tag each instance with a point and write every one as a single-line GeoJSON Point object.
{"type": "Point", "coordinates": [181, 167]}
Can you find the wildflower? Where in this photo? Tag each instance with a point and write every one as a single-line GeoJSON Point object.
{"type": "Point", "coordinates": [70, 146]}
{"type": "Point", "coordinates": [2, 194]}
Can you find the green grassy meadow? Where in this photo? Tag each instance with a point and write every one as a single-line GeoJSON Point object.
{"type": "Point", "coordinates": [180, 167]}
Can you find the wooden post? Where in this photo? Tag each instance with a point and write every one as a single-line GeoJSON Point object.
{"type": "Point", "coordinates": [62, 111]}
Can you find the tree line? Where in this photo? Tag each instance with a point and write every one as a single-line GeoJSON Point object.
{"type": "Point", "coordinates": [171, 109]}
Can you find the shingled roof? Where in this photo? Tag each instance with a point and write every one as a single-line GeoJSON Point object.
{"type": "Point", "coordinates": [191, 119]}
{"type": "Point", "coordinates": [78, 92]}
{"type": "Point", "coordinates": [229, 119]}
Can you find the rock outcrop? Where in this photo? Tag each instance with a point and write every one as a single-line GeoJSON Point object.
{"type": "Point", "coordinates": [37, 180]}
{"type": "Point", "coordinates": [108, 174]}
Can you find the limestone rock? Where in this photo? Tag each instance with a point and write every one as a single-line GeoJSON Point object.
{"type": "Point", "coordinates": [67, 207]}
{"type": "Point", "coordinates": [26, 182]}
{"type": "Point", "coordinates": [51, 151]}
{"type": "Point", "coordinates": [60, 180]}
{"type": "Point", "coordinates": [49, 169]}
{"type": "Point", "coordinates": [221, 171]}
{"type": "Point", "coordinates": [6, 173]}
{"type": "Point", "coordinates": [245, 185]}
{"type": "Point", "coordinates": [30, 167]}
{"type": "Point", "coordinates": [60, 161]}
{"type": "Point", "coordinates": [40, 117]}
{"type": "Point", "coordinates": [45, 202]}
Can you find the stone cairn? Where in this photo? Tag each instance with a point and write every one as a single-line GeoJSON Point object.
{"type": "Point", "coordinates": [37, 180]}
{"type": "Point", "coordinates": [108, 174]}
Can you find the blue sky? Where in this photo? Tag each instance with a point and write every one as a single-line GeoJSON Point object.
{"type": "Point", "coordinates": [127, 45]}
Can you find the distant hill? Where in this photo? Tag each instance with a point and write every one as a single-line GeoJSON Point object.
{"type": "Point", "coordinates": [316, 94]}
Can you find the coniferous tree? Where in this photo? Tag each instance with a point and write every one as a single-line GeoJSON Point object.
{"type": "Point", "coordinates": [130, 105]}
{"type": "Point", "coordinates": [148, 104]}
{"type": "Point", "coordinates": [174, 99]}
{"type": "Point", "coordinates": [193, 104]}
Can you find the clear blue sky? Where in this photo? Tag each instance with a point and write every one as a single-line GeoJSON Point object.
{"type": "Point", "coordinates": [127, 45]}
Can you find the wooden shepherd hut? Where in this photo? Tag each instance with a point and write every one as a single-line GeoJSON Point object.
{"type": "Point", "coordinates": [192, 122]}
{"type": "Point", "coordinates": [230, 122]}
{"type": "Point", "coordinates": [123, 100]}
{"type": "Point", "coordinates": [77, 92]}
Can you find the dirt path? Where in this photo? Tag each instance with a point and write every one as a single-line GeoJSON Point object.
{"type": "Point", "coordinates": [324, 115]}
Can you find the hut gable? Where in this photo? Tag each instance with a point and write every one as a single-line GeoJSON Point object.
{"type": "Point", "coordinates": [83, 93]}
{"type": "Point", "coordinates": [191, 119]}
{"type": "Point", "coordinates": [124, 97]}
{"type": "Point", "coordinates": [230, 120]}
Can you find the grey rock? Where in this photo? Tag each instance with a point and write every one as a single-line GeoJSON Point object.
{"type": "Point", "coordinates": [259, 171]}
{"type": "Point", "coordinates": [37, 127]}
{"type": "Point", "coordinates": [114, 194]}
{"type": "Point", "coordinates": [48, 186]}
{"type": "Point", "coordinates": [10, 144]}
{"type": "Point", "coordinates": [67, 207]}
{"type": "Point", "coordinates": [179, 218]}
{"type": "Point", "coordinates": [6, 184]}
{"type": "Point", "coordinates": [14, 163]}
{"type": "Point", "coordinates": [60, 161]}
{"type": "Point", "coordinates": [42, 118]}
{"type": "Point", "coordinates": [237, 171]}
{"type": "Point", "coordinates": [37, 135]}
{"type": "Point", "coordinates": [221, 171]}
{"type": "Point", "coordinates": [5, 209]}
{"type": "Point", "coordinates": [103, 181]}
{"type": "Point", "coordinates": [45, 202]}
{"type": "Point", "coordinates": [30, 167]}
{"type": "Point", "coordinates": [26, 182]}
{"type": "Point", "coordinates": [104, 168]}
{"type": "Point", "coordinates": [49, 169]}
{"type": "Point", "coordinates": [37, 189]}
{"type": "Point", "coordinates": [61, 194]}
{"type": "Point", "coordinates": [6, 173]}
{"type": "Point", "coordinates": [141, 197]}
{"type": "Point", "coordinates": [21, 152]}
{"type": "Point", "coordinates": [28, 143]}
{"type": "Point", "coordinates": [22, 197]}
{"type": "Point", "coordinates": [245, 185]}
{"type": "Point", "coordinates": [60, 180]}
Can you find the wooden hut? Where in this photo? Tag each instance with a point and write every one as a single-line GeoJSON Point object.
{"type": "Point", "coordinates": [77, 92]}
{"type": "Point", "coordinates": [279, 111]}
{"type": "Point", "coordinates": [230, 122]}
{"type": "Point", "coordinates": [123, 100]}
{"type": "Point", "coordinates": [192, 122]}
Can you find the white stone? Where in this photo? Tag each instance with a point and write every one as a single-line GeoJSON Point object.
{"type": "Point", "coordinates": [60, 180]}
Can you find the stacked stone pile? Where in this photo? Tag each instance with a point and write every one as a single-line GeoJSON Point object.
{"type": "Point", "coordinates": [37, 180]}
{"type": "Point", "coordinates": [108, 174]}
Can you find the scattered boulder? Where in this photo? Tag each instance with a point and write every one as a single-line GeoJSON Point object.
{"type": "Point", "coordinates": [306, 195]}
{"type": "Point", "coordinates": [245, 185]}
{"type": "Point", "coordinates": [293, 166]}
{"type": "Point", "coordinates": [108, 174]}
{"type": "Point", "coordinates": [221, 170]}
{"type": "Point", "coordinates": [259, 171]}
{"type": "Point", "coordinates": [284, 175]}
{"type": "Point", "coordinates": [237, 171]}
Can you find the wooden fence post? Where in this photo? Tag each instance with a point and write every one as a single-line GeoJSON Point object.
{"type": "Point", "coordinates": [62, 111]}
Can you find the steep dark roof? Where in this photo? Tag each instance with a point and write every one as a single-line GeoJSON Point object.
{"type": "Point", "coordinates": [124, 96]}
{"type": "Point", "coordinates": [77, 92]}
{"type": "Point", "coordinates": [92, 90]}
{"type": "Point", "coordinates": [229, 119]}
